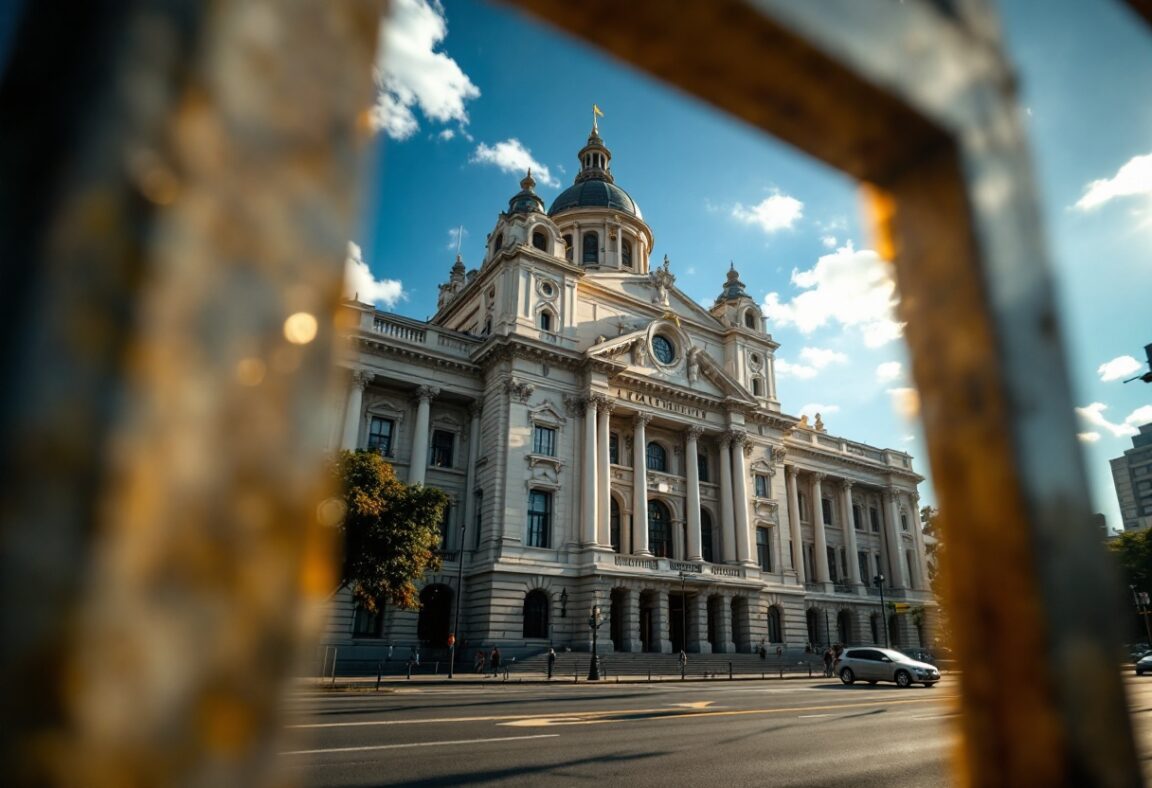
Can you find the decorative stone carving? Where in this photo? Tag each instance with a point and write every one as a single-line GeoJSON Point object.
{"type": "Point", "coordinates": [427, 393]}
{"type": "Point", "coordinates": [643, 418]}
{"type": "Point", "coordinates": [819, 423]}
{"type": "Point", "coordinates": [663, 279]}
{"type": "Point", "coordinates": [693, 366]}
{"type": "Point", "coordinates": [846, 485]}
{"type": "Point", "coordinates": [519, 390]}
{"type": "Point", "coordinates": [694, 432]}
{"type": "Point", "coordinates": [778, 454]}
{"type": "Point", "coordinates": [820, 477]}
{"type": "Point", "coordinates": [361, 378]}
{"type": "Point", "coordinates": [792, 471]}
{"type": "Point", "coordinates": [573, 405]}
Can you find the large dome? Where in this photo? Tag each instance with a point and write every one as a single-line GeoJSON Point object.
{"type": "Point", "coordinates": [595, 194]}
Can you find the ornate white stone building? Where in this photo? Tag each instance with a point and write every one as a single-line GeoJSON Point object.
{"type": "Point", "coordinates": [606, 441]}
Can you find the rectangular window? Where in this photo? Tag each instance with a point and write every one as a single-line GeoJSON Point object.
{"type": "Point", "coordinates": [445, 526]}
{"type": "Point", "coordinates": [903, 522]}
{"type": "Point", "coordinates": [702, 467]}
{"type": "Point", "coordinates": [791, 556]}
{"type": "Point", "coordinates": [802, 505]}
{"type": "Point", "coordinates": [862, 561]}
{"type": "Point", "coordinates": [544, 441]}
{"type": "Point", "coordinates": [809, 561]}
{"type": "Point", "coordinates": [843, 563]}
{"type": "Point", "coordinates": [366, 624]}
{"type": "Point", "coordinates": [857, 517]}
{"type": "Point", "coordinates": [833, 567]}
{"type": "Point", "coordinates": [879, 568]}
{"type": "Point", "coordinates": [763, 550]}
{"type": "Point", "coordinates": [826, 510]}
{"type": "Point", "coordinates": [479, 516]}
{"type": "Point", "coordinates": [539, 518]}
{"type": "Point", "coordinates": [442, 445]}
{"type": "Point", "coordinates": [380, 435]}
{"type": "Point", "coordinates": [761, 486]}
{"type": "Point", "coordinates": [614, 448]}
{"type": "Point", "coordinates": [875, 515]}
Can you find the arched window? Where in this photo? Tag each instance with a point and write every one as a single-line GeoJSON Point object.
{"type": "Point", "coordinates": [614, 524]}
{"type": "Point", "coordinates": [536, 614]}
{"type": "Point", "coordinates": [591, 249]}
{"type": "Point", "coordinates": [435, 619]}
{"type": "Point", "coordinates": [568, 248]}
{"type": "Point", "coordinates": [702, 467]}
{"type": "Point", "coordinates": [545, 320]}
{"type": "Point", "coordinates": [757, 387]}
{"type": "Point", "coordinates": [775, 630]}
{"type": "Point", "coordinates": [626, 253]}
{"type": "Point", "coordinates": [659, 530]}
{"type": "Point", "coordinates": [706, 537]}
{"type": "Point", "coordinates": [813, 621]}
{"type": "Point", "coordinates": [844, 627]}
{"type": "Point", "coordinates": [657, 458]}
{"type": "Point", "coordinates": [540, 241]}
{"type": "Point", "coordinates": [750, 319]}
{"type": "Point", "coordinates": [498, 244]}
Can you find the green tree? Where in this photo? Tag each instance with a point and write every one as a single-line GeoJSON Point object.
{"type": "Point", "coordinates": [1133, 552]}
{"type": "Point", "coordinates": [934, 550]}
{"type": "Point", "coordinates": [391, 531]}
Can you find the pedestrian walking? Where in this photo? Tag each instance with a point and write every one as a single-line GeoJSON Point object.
{"type": "Point", "coordinates": [494, 662]}
{"type": "Point", "coordinates": [683, 663]}
{"type": "Point", "coordinates": [481, 660]}
{"type": "Point", "coordinates": [551, 662]}
{"type": "Point", "coordinates": [828, 657]}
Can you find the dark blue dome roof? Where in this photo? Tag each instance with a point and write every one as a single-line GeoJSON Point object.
{"type": "Point", "coordinates": [595, 194]}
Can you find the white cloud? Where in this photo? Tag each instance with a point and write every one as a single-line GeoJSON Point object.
{"type": "Point", "coordinates": [456, 235]}
{"type": "Point", "coordinates": [411, 74]}
{"type": "Point", "coordinates": [889, 371]}
{"type": "Point", "coordinates": [1094, 415]}
{"type": "Point", "coordinates": [1140, 416]}
{"type": "Point", "coordinates": [446, 134]}
{"type": "Point", "coordinates": [1088, 437]}
{"type": "Point", "coordinates": [511, 156]}
{"type": "Point", "coordinates": [829, 241]}
{"type": "Point", "coordinates": [816, 359]}
{"type": "Point", "coordinates": [1117, 368]}
{"type": "Point", "coordinates": [1133, 178]}
{"type": "Point", "coordinates": [772, 214]}
{"type": "Point", "coordinates": [849, 286]}
{"type": "Point", "coordinates": [908, 438]}
{"type": "Point", "coordinates": [812, 408]}
{"type": "Point", "coordinates": [905, 401]}
{"type": "Point", "coordinates": [365, 288]}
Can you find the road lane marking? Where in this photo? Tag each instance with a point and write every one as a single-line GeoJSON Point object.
{"type": "Point", "coordinates": [812, 716]}
{"type": "Point", "coordinates": [700, 704]}
{"type": "Point", "coordinates": [420, 744]}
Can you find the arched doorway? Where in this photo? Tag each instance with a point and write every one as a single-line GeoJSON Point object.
{"type": "Point", "coordinates": [435, 619]}
{"type": "Point", "coordinates": [659, 530]}
{"type": "Point", "coordinates": [617, 606]}
{"type": "Point", "coordinates": [775, 625]}
{"type": "Point", "coordinates": [844, 627]}
{"type": "Point", "coordinates": [649, 638]}
{"type": "Point", "coordinates": [536, 614]}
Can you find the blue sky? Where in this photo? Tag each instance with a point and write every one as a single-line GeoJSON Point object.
{"type": "Point", "coordinates": [472, 93]}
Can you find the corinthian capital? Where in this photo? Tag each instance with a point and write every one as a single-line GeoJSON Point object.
{"type": "Point", "coordinates": [427, 393]}
{"type": "Point", "coordinates": [361, 378]}
{"type": "Point", "coordinates": [819, 477]}
{"type": "Point", "coordinates": [792, 471]}
{"type": "Point", "coordinates": [694, 432]}
{"type": "Point", "coordinates": [737, 437]}
{"type": "Point", "coordinates": [643, 418]}
{"type": "Point", "coordinates": [846, 485]}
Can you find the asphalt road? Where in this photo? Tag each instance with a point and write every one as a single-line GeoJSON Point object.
{"type": "Point", "coordinates": [795, 733]}
{"type": "Point", "coordinates": [718, 733]}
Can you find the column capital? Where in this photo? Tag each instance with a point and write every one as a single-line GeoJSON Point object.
{"type": "Point", "coordinates": [694, 432]}
{"type": "Point", "coordinates": [792, 471]}
{"type": "Point", "coordinates": [603, 402]}
{"type": "Point", "coordinates": [361, 378]}
{"type": "Point", "coordinates": [590, 405]}
{"type": "Point", "coordinates": [737, 437]}
{"type": "Point", "coordinates": [475, 409]}
{"type": "Point", "coordinates": [573, 404]}
{"type": "Point", "coordinates": [778, 454]}
{"type": "Point", "coordinates": [890, 495]}
{"type": "Point", "coordinates": [846, 485]}
{"type": "Point", "coordinates": [427, 393]}
{"type": "Point", "coordinates": [642, 418]}
{"type": "Point", "coordinates": [818, 476]}
{"type": "Point", "coordinates": [518, 389]}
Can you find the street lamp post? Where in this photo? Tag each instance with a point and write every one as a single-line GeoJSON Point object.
{"type": "Point", "coordinates": [1140, 600]}
{"type": "Point", "coordinates": [594, 623]}
{"type": "Point", "coordinates": [684, 610]}
{"type": "Point", "coordinates": [879, 581]}
{"type": "Point", "coordinates": [459, 598]}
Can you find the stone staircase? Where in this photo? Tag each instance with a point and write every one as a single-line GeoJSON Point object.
{"type": "Point", "coordinates": [631, 665]}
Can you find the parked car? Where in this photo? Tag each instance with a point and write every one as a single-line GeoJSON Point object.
{"type": "Point", "coordinates": [1144, 664]}
{"type": "Point", "coordinates": [874, 664]}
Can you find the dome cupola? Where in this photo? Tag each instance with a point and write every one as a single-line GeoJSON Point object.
{"type": "Point", "coordinates": [594, 186]}
{"type": "Point", "coordinates": [526, 200]}
{"type": "Point", "coordinates": [733, 287]}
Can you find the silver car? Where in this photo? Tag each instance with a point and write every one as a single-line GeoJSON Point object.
{"type": "Point", "coordinates": [872, 664]}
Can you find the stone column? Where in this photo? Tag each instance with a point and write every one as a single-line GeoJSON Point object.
{"type": "Point", "coordinates": [821, 539]}
{"type": "Point", "coordinates": [419, 461]}
{"type": "Point", "coordinates": [790, 473]}
{"type": "Point", "coordinates": [727, 523]}
{"type": "Point", "coordinates": [691, 450]}
{"type": "Point", "coordinates": [896, 578]}
{"type": "Point", "coordinates": [740, 499]}
{"type": "Point", "coordinates": [724, 625]}
{"type": "Point", "coordinates": [850, 533]}
{"type": "Point", "coordinates": [470, 474]}
{"type": "Point", "coordinates": [604, 474]}
{"type": "Point", "coordinates": [921, 550]}
{"type": "Point", "coordinates": [353, 412]}
{"type": "Point", "coordinates": [640, 485]}
{"type": "Point", "coordinates": [588, 476]}
{"type": "Point", "coordinates": [697, 637]}
{"type": "Point", "coordinates": [631, 626]}
{"type": "Point", "coordinates": [660, 623]}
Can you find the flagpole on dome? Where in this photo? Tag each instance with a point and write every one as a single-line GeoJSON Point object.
{"type": "Point", "coordinates": [595, 114]}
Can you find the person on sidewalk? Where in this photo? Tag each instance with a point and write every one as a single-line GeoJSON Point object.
{"type": "Point", "coordinates": [481, 660]}
{"type": "Point", "coordinates": [494, 661]}
{"type": "Point", "coordinates": [828, 658]}
{"type": "Point", "coordinates": [551, 662]}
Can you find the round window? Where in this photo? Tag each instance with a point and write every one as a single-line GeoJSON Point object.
{"type": "Point", "coordinates": [546, 289]}
{"type": "Point", "coordinates": [663, 349]}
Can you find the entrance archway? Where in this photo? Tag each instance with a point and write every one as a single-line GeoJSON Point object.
{"type": "Point", "coordinates": [435, 619]}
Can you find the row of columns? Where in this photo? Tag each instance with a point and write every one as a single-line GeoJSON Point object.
{"type": "Point", "coordinates": [595, 503]}
{"type": "Point", "coordinates": [891, 541]}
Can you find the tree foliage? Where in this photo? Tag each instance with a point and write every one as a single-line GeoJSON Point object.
{"type": "Point", "coordinates": [934, 551]}
{"type": "Point", "coordinates": [391, 531]}
{"type": "Point", "coordinates": [1133, 552]}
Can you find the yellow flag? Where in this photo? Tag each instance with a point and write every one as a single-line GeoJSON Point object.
{"type": "Point", "coordinates": [596, 111]}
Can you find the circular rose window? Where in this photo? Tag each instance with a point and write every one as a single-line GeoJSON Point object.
{"type": "Point", "coordinates": [663, 349]}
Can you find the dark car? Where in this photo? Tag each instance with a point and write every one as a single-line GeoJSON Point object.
{"type": "Point", "coordinates": [1144, 664]}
